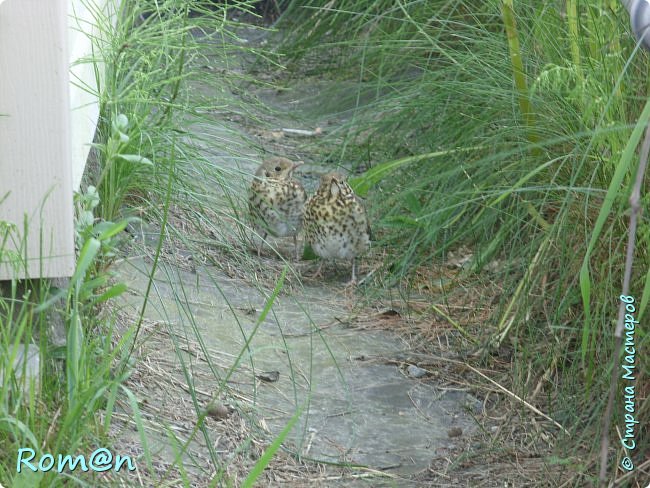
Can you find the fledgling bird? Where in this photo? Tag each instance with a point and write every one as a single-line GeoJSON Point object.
{"type": "Point", "coordinates": [276, 201]}
{"type": "Point", "coordinates": [336, 223]}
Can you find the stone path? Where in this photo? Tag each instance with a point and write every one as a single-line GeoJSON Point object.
{"type": "Point", "coordinates": [358, 406]}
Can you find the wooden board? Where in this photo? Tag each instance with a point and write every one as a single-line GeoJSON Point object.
{"type": "Point", "coordinates": [35, 147]}
{"type": "Point", "coordinates": [86, 41]}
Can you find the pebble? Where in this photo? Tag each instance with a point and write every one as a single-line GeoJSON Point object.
{"type": "Point", "coordinates": [416, 372]}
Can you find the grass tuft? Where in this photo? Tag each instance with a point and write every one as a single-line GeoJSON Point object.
{"type": "Point", "coordinates": [510, 129]}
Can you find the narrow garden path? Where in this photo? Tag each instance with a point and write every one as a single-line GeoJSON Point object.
{"type": "Point", "coordinates": [367, 415]}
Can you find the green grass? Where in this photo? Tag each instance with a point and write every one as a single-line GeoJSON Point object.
{"type": "Point", "coordinates": [167, 72]}
{"type": "Point", "coordinates": [53, 412]}
{"type": "Point", "coordinates": [143, 161]}
{"type": "Point", "coordinates": [508, 127]}
{"type": "Point", "coordinates": [504, 126]}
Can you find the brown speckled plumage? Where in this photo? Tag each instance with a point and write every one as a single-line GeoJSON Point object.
{"type": "Point", "coordinates": [276, 201]}
{"type": "Point", "coordinates": [336, 223]}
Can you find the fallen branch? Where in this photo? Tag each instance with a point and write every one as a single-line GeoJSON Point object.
{"type": "Point", "coordinates": [635, 207]}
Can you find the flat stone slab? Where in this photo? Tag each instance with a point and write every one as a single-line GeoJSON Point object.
{"type": "Point", "coordinates": [355, 409]}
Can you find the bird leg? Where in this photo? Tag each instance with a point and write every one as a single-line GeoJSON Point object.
{"type": "Point", "coordinates": [318, 273]}
{"type": "Point", "coordinates": [353, 280]}
{"type": "Point", "coordinates": [259, 245]}
{"type": "Point", "coordinates": [295, 247]}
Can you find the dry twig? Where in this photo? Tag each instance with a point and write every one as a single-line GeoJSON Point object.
{"type": "Point", "coordinates": [635, 207]}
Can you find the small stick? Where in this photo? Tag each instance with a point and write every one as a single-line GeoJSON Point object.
{"type": "Point", "coordinates": [302, 132]}
{"type": "Point", "coordinates": [635, 206]}
{"type": "Point", "coordinates": [511, 394]}
{"type": "Point", "coordinates": [503, 389]}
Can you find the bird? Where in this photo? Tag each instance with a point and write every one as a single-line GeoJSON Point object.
{"type": "Point", "coordinates": [335, 221]}
{"type": "Point", "coordinates": [276, 201]}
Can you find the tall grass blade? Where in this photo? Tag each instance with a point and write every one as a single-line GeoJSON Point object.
{"type": "Point", "coordinates": [270, 451]}
{"type": "Point", "coordinates": [613, 192]}
{"type": "Point", "coordinates": [518, 72]}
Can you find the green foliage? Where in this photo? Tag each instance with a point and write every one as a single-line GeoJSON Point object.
{"type": "Point", "coordinates": [155, 56]}
{"type": "Point", "coordinates": [504, 126]}
{"type": "Point", "coordinates": [142, 160]}
{"type": "Point", "coordinates": [25, 416]}
{"type": "Point", "coordinates": [121, 169]}
{"type": "Point", "coordinates": [88, 227]}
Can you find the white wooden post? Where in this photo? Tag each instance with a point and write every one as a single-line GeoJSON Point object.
{"type": "Point", "coordinates": [49, 108]}
{"type": "Point", "coordinates": [35, 141]}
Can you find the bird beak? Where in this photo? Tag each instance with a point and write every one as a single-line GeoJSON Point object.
{"type": "Point", "coordinates": [296, 164]}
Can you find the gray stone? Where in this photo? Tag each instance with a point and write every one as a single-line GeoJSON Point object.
{"type": "Point", "coordinates": [25, 368]}
{"type": "Point", "coordinates": [415, 371]}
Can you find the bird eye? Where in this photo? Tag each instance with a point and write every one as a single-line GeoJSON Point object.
{"type": "Point", "coordinates": [278, 169]}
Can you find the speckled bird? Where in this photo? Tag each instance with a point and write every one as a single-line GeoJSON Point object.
{"type": "Point", "coordinates": [276, 201]}
{"type": "Point", "coordinates": [336, 223]}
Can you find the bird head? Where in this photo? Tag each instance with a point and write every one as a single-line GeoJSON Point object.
{"type": "Point", "coordinates": [331, 184]}
{"type": "Point", "coordinates": [277, 168]}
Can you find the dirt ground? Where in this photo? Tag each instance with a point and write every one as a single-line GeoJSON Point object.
{"type": "Point", "coordinates": [440, 324]}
